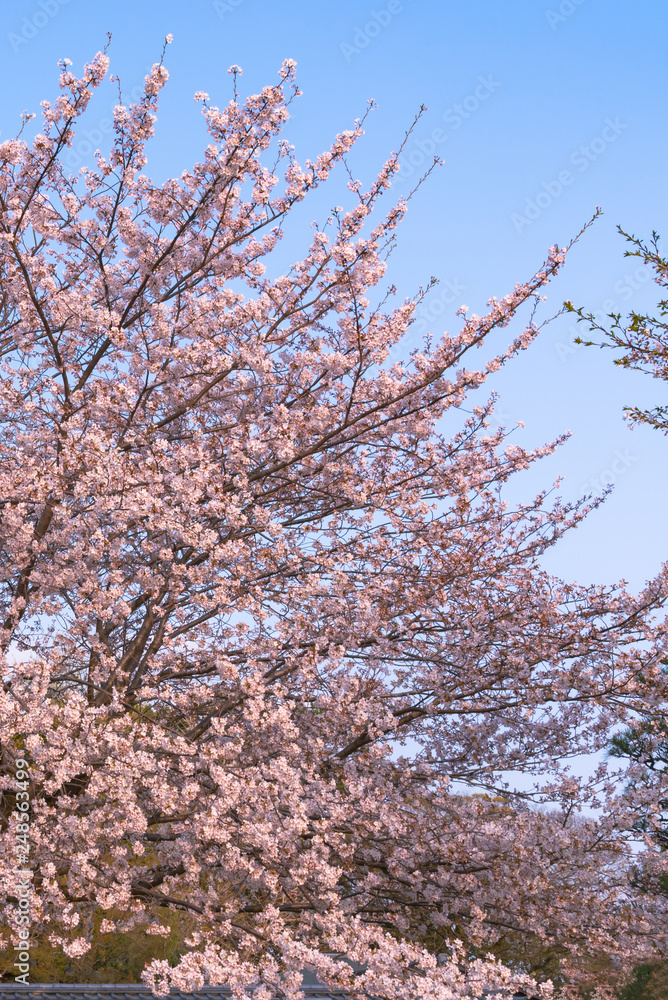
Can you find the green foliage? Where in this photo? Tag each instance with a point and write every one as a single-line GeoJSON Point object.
{"type": "Point", "coordinates": [640, 339]}
{"type": "Point", "coordinates": [650, 982]}
{"type": "Point", "coordinates": [647, 744]}
{"type": "Point", "coordinates": [113, 958]}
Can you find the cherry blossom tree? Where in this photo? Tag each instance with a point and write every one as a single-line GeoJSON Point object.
{"type": "Point", "coordinates": [639, 342]}
{"type": "Point", "coordinates": [272, 637]}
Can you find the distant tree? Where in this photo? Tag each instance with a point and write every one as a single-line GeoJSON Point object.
{"type": "Point", "coordinates": [650, 982]}
{"type": "Point", "coordinates": [259, 612]}
{"type": "Point", "coordinates": [646, 743]}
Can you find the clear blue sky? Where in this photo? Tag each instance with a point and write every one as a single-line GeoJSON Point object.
{"type": "Point", "coordinates": [556, 103]}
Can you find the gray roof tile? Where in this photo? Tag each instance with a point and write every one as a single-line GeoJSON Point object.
{"type": "Point", "coordinates": [128, 991]}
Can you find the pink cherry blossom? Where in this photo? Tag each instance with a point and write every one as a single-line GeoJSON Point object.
{"type": "Point", "coordinates": [265, 624]}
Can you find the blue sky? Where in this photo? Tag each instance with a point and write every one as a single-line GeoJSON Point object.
{"type": "Point", "coordinates": [540, 109]}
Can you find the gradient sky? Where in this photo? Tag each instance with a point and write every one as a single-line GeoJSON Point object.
{"type": "Point", "coordinates": [543, 108]}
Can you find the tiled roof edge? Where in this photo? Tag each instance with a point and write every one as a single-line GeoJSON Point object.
{"type": "Point", "coordinates": [125, 990]}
